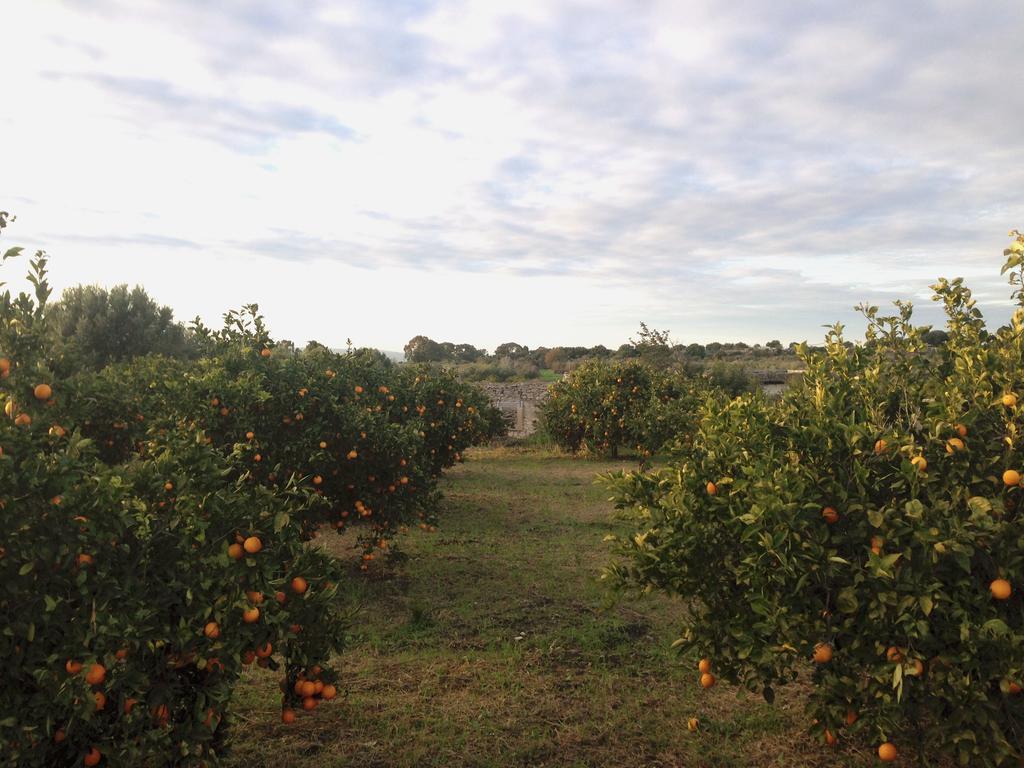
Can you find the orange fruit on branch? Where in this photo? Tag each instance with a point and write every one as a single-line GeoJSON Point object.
{"type": "Point", "coordinates": [1000, 589]}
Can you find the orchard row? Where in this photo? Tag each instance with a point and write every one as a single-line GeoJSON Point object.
{"type": "Point", "coordinates": [156, 522]}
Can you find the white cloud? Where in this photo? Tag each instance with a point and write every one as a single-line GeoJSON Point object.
{"type": "Point", "coordinates": [552, 172]}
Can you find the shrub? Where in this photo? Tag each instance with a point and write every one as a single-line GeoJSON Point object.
{"type": "Point", "coordinates": [863, 533]}
{"type": "Point", "coordinates": [603, 406]}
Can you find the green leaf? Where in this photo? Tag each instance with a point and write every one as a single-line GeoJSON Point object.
{"type": "Point", "coordinates": [281, 519]}
{"type": "Point", "coordinates": [925, 601]}
{"type": "Point", "coordinates": [846, 600]}
{"type": "Point", "coordinates": [26, 568]}
{"type": "Point", "coordinates": [979, 505]}
{"type": "Point", "coordinates": [996, 627]}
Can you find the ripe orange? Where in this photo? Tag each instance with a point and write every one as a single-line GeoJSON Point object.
{"type": "Point", "coordinates": [822, 653]}
{"type": "Point", "coordinates": [851, 717]}
{"type": "Point", "coordinates": [22, 420]}
{"type": "Point", "coordinates": [168, 486]}
{"type": "Point", "coordinates": [876, 544]}
{"type": "Point", "coordinates": [252, 545]}
{"type": "Point", "coordinates": [307, 688]}
{"type": "Point", "coordinates": [264, 352]}
{"type": "Point", "coordinates": [129, 704]}
{"type": "Point", "coordinates": [280, 597]}
{"type": "Point", "coordinates": [211, 630]}
{"type": "Point", "coordinates": [101, 700]}
{"type": "Point", "coordinates": [712, 489]}
{"type": "Point", "coordinates": [954, 444]}
{"type": "Point", "coordinates": [880, 446]}
{"type": "Point", "coordinates": [5, 366]}
{"type": "Point", "coordinates": [352, 454]}
{"type": "Point", "coordinates": [1010, 400]}
{"type": "Point", "coordinates": [920, 462]}
{"type": "Point", "coordinates": [73, 667]}
{"type": "Point", "coordinates": [704, 666]}
{"type": "Point", "coordinates": [329, 692]}
{"type": "Point", "coordinates": [161, 714]}
{"type": "Point", "coordinates": [1014, 688]}
{"type": "Point", "coordinates": [707, 680]}
{"type": "Point", "coordinates": [287, 716]}
{"type": "Point", "coordinates": [1011, 477]}
{"type": "Point", "coordinates": [309, 704]}
{"type": "Point", "coordinates": [59, 735]}
{"type": "Point", "coordinates": [359, 390]}
{"type": "Point", "coordinates": [961, 430]}
{"type": "Point", "coordinates": [317, 480]}
{"type": "Point", "coordinates": [254, 597]}
{"type": "Point", "coordinates": [251, 615]}
{"type": "Point", "coordinates": [250, 435]}
{"type": "Point", "coordinates": [97, 674]}
{"type": "Point", "coordinates": [692, 724]}
{"type": "Point", "coordinates": [299, 585]}
{"type": "Point", "coordinates": [264, 651]}
{"type": "Point", "coordinates": [1000, 589]}
{"type": "Point", "coordinates": [92, 757]}
{"type": "Point", "coordinates": [894, 654]}
{"type": "Point", "coordinates": [43, 392]}
{"type": "Point", "coordinates": [830, 515]}
{"type": "Point", "coordinates": [235, 551]}
{"type": "Point", "coordinates": [887, 752]}
{"type": "Point", "coordinates": [830, 739]}
{"type": "Point", "coordinates": [248, 657]}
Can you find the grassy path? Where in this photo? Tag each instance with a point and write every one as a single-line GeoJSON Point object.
{"type": "Point", "coordinates": [492, 645]}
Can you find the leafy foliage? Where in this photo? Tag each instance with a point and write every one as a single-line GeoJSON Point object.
{"type": "Point", "coordinates": [96, 327]}
{"type": "Point", "coordinates": [159, 514]}
{"type": "Point", "coordinates": [605, 405]}
{"type": "Point", "coordinates": [870, 519]}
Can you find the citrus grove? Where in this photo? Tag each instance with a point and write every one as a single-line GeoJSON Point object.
{"type": "Point", "coordinates": [863, 533]}
{"type": "Point", "coordinates": [157, 520]}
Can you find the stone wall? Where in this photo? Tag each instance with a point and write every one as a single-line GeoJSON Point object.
{"type": "Point", "coordinates": [519, 401]}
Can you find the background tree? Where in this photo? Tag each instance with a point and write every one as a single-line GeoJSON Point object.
{"type": "Point", "coordinates": [422, 349]}
{"type": "Point", "coordinates": [97, 327]}
{"type": "Point", "coordinates": [511, 349]}
{"type": "Point", "coordinates": [653, 347]}
{"type": "Point", "coordinates": [467, 353]}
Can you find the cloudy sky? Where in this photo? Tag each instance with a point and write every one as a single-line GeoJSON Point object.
{"type": "Point", "coordinates": [532, 170]}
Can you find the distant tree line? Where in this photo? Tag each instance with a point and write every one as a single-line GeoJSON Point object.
{"type": "Point", "coordinates": [95, 326]}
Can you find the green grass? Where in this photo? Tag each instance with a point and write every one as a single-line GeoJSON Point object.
{"type": "Point", "coordinates": [546, 374]}
{"type": "Point", "coordinates": [493, 644]}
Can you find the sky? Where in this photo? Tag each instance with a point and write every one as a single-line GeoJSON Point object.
{"type": "Point", "coordinates": [537, 171]}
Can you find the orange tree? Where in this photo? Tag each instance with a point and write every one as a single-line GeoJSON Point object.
{"type": "Point", "coordinates": [604, 405]}
{"type": "Point", "coordinates": [369, 437]}
{"type": "Point", "coordinates": [864, 532]}
{"type": "Point", "coordinates": [153, 551]}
